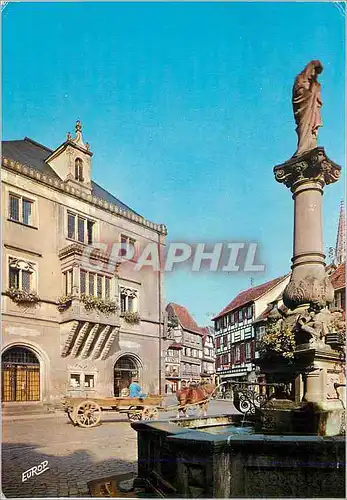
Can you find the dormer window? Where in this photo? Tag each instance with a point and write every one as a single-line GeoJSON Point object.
{"type": "Point", "coordinates": [79, 170]}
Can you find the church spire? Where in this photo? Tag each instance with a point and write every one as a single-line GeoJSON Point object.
{"type": "Point", "coordinates": [340, 249]}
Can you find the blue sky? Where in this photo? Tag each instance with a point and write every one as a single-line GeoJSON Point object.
{"type": "Point", "coordinates": [187, 107]}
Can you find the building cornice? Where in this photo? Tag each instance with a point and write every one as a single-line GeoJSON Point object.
{"type": "Point", "coordinates": [62, 186]}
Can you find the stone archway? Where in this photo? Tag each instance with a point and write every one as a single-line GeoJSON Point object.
{"type": "Point", "coordinates": [125, 368]}
{"type": "Point", "coordinates": [21, 380]}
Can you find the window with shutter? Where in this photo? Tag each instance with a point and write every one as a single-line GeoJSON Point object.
{"type": "Point", "coordinates": [249, 312]}
{"type": "Point", "coordinates": [242, 353]}
{"type": "Point", "coordinates": [237, 354]}
{"type": "Point", "coordinates": [252, 349]}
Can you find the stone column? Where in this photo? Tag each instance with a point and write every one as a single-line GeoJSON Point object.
{"type": "Point", "coordinates": [314, 389]}
{"type": "Point", "coordinates": [306, 176]}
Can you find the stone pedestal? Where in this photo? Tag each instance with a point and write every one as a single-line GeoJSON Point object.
{"type": "Point", "coordinates": [318, 403]}
{"type": "Point", "coordinates": [323, 397]}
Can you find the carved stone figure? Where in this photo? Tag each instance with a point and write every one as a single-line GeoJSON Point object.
{"type": "Point", "coordinates": [315, 328]}
{"type": "Point", "coordinates": [318, 323]}
{"type": "Point", "coordinates": [306, 106]}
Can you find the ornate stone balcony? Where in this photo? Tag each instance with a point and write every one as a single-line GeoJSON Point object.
{"type": "Point", "coordinates": [76, 311]}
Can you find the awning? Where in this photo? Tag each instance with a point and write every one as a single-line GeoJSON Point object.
{"type": "Point", "coordinates": [233, 375]}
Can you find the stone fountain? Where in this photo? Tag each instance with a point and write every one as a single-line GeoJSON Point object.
{"type": "Point", "coordinates": [294, 446]}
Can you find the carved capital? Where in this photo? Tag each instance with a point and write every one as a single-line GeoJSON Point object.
{"type": "Point", "coordinates": [311, 166]}
{"type": "Point", "coordinates": [309, 290]}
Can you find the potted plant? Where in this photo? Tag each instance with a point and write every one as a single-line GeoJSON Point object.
{"type": "Point", "coordinates": [23, 297]}
{"type": "Point", "coordinates": [131, 317]}
{"type": "Point", "coordinates": [64, 302]}
{"type": "Point", "coordinates": [105, 306]}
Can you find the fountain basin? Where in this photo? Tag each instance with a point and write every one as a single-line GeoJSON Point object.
{"type": "Point", "coordinates": [178, 458]}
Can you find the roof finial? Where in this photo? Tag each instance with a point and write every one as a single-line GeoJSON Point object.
{"type": "Point", "coordinates": [78, 140]}
{"type": "Point", "coordinates": [340, 249]}
{"type": "Point", "coordinates": [69, 136]}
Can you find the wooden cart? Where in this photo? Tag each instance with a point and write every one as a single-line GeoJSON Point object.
{"type": "Point", "coordinates": [87, 412]}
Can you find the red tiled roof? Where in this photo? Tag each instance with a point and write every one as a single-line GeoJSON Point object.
{"type": "Point", "coordinates": [250, 295]}
{"type": "Point", "coordinates": [185, 319]}
{"type": "Point", "coordinates": [338, 277]}
{"type": "Point", "coordinates": [264, 315]}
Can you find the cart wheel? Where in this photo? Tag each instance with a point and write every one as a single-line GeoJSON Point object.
{"type": "Point", "coordinates": [70, 414]}
{"type": "Point", "coordinates": [134, 416]}
{"type": "Point", "coordinates": [149, 413]}
{"type": "Point", "coordinates": [87, 414]}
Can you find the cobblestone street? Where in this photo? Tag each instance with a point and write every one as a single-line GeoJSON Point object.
{"type": "Point", "coordinates": [75, 455]}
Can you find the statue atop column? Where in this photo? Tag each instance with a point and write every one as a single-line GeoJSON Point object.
{"type": "Point", "coordinates": [306, 106]}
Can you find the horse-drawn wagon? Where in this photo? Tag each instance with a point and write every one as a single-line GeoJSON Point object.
{"type": "Point", "coordinates": [86, 412]}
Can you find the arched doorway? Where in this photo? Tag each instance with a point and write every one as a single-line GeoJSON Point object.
{"type": "Point", "coordinates": [125, 369]}
{"type": "Point", "coordinates": [20, 375]}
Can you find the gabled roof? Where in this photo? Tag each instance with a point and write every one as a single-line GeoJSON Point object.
{"type": "Point", "coordinates": [250, 295]}
{"type": "Point", "coordinates": [33, 154]}
{"type": "Point", "coordinates": [206, 331]}
{"type": "Point", "coordinates": [184, 318]}
{"type": "Point", "coordinates": [338, 277]}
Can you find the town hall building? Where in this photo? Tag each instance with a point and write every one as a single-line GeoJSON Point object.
{"type": "Point", "coordinates": [78, 319]}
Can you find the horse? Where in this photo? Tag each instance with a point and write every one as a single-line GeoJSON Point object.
{"type": "Point", "coordinates": [198, 394]}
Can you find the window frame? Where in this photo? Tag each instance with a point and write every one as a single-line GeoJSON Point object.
{"type": "Point", "coordinates": [249, 313]}
{"type": "Point", "coordinates": [124, 294]}
{"type": "Point", "coordinates": [19, 264]}
{"type": "Point", "coordinates": [127, 241]}
{"type": "Point", "coordinates": [87, 283]}
{"type": "Point", "coordinates": [82, 374]}
{"type": "Point", "coordinates": [89, 228]}
{"type": "Point", "coordinates": [21, 198]}
{"type": "Point", "coordinates": [79, 169]}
